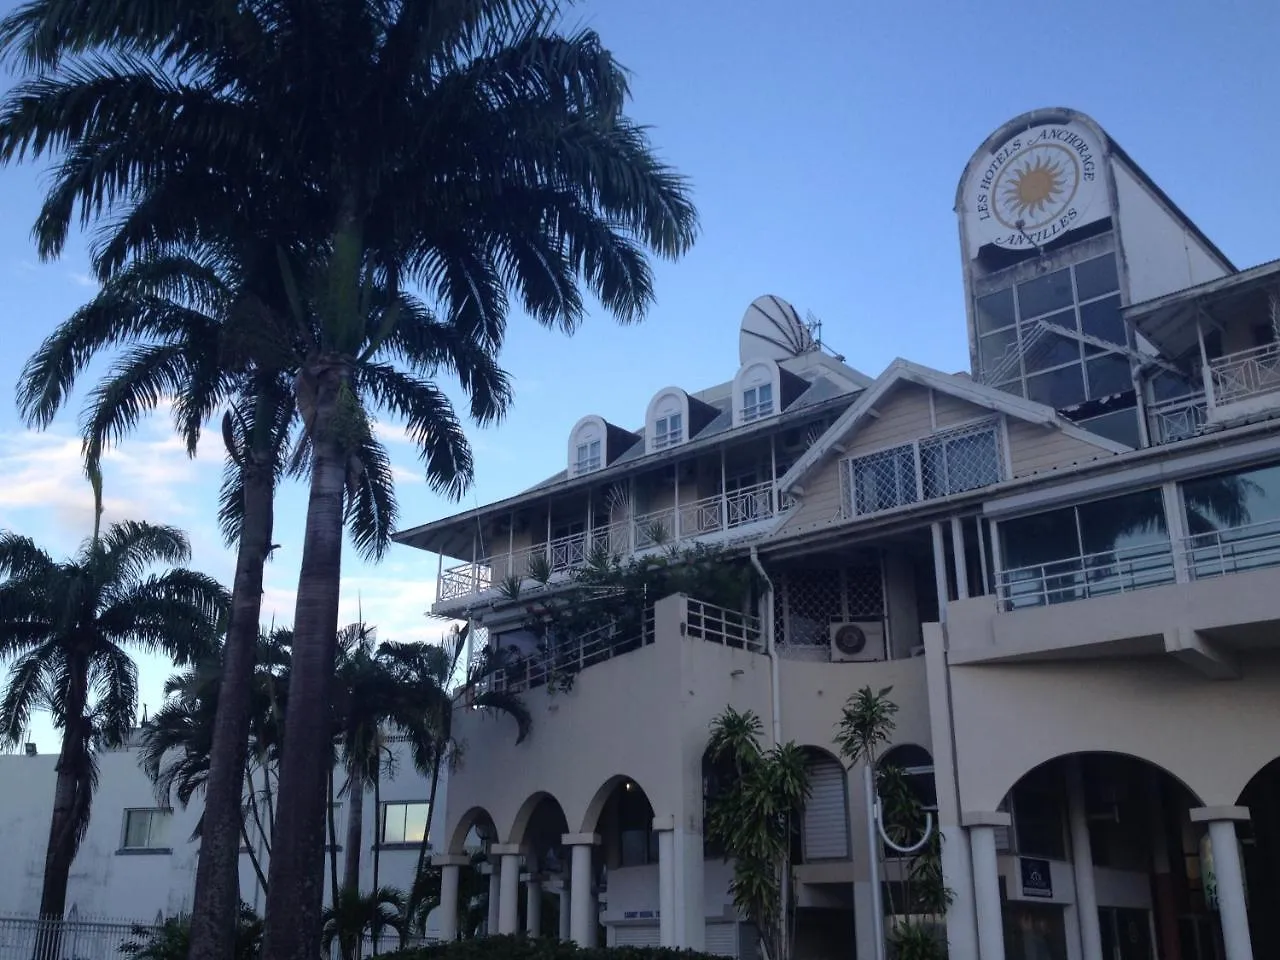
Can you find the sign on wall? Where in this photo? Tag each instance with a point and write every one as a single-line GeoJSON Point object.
{"type": "Point", "coordinates": [1037, 879]}
{"type": "Point", "coordinates": [1035, 187]}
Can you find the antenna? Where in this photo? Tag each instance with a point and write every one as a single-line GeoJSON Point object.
{"type": "Point", "coordinates": [772, 330]}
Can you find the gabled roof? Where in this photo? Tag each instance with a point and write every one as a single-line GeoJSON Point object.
{"type": "Point", "coordinates": [956, 385]}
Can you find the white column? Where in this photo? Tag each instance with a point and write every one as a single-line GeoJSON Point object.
{"type": "Point", "coordinates": [958, 556]}
{"type": "Point", "coordinates": [940, 571]}
{"type": "Point", "coordinates": [509, 889]}
{"type": "Point", "coordinates": [665, 827]}
{"type": "Point", "coordinates": [564, 912]}
{"type": "Point", "coordinates": [495, 893]}
{"type": "Point", "coordinates": [450, 868]}
{"type": "Point", "coordinates": [532, 905]}
{"type": "Point", "coordinates": [1229, 877]}
{"type": "Point", "coordinates": [986, 881]}
{"type": "Point", "coordinates": [1082, 864]}
{"type": "Point", "coordinates": [583, 915]}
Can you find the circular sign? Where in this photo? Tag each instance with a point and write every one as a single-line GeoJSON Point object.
{"type": "Point", "coordinates": [1034, 187]}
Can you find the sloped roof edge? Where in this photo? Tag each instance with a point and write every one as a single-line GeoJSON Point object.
{"type": "Point", "coordinates": [904, 371]}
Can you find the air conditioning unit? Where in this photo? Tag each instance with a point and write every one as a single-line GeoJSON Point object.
{"type": "Point", "coordinates": [857, 640]}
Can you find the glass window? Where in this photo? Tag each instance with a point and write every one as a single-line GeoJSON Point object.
{"type": "Point", "coordinates": [588, 457]}
{"type": "Point", "coordinates": [1232, 500]}
{"type": "Point", "coordinates": [1052, 350]}
{"type": "Point", "coordinates": [881, 481]}
{"type": "Point", "coordinates": [404, 822]}
{"type": "Point", "coordinates": [1166, 385]}
{"type": "Point", "coordinates": [1123, 523]}
{"type": "Point", "coordinates": [1102, 319]}
{"type": "Point", "coordinates": [1045, 294]}
{"type": "Point", "coordinates": [959, 461]}
{"type": "Point", "coordinates": [995, 348]}
{"type": "Point", "coordinates": [1097, 277]}
{"type": "Point", "coordinates": [1060, 388]}
{"type": "Point", "coordinates": [147, 829]}
{"type": "Point", "coordinates": [1039, 815]}
{"type": "Point", "coordinates": [757, 402]}
{"type": "Point", "coordinates": [1118, 425]}
{"type": "Point", "coordinates": [1039, 538]}
{"type": "Point", "coordinates": [1109, 375]}
{"type": "Point", "coordinates": [668, 430]}
{"type": "Point", "coordinates": [995, 311]}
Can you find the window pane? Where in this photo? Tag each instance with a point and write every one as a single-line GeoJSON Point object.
{"type": "Point", "coordinates": [1096, 277]}
{"type": "Point", "coordinates": [136, 824]}
{"type": "Point", "coordinates": [884, 480]}
{"type": "Point", "coordinates": [995, 311]}
{"type": "Point", "coordinates": [1232, 500]}
{"type": "Point", "coordinates": [158, 834]}
{"type": "Point", "coordinates": [958, 463]}
{"type": "Point", "coordinates": [1119, 425]}
{"type": "Point", "coordinates": [1061, 388]}
{"type": "Point", "coordinates": [1170, 386]}
{"type": "Point", "coordinates": [1044, 294]}
{"type": "Point", "coordinates": [1102, 319]}
{"type": "Point", "coordinates": [1050, 349]}
{"type": "Point", "coordinates": [415, 822]}
{"type": "Point", "coordinates": [1041, 538]}
{"type": "Point", "coordinates": [393, 823]}
{"type": "Point", "coordinates": [994, 348]}
{"type": "Point", "coordinates": [1123, 523]}
{"type": "Point", "coordinates": [1109, 375]}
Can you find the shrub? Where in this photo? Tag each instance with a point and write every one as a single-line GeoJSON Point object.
{"type": "Point", "coordinates": [540, 948]}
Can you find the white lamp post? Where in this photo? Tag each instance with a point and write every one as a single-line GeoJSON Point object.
{"type": "Point", "coordinates": [875, 835]}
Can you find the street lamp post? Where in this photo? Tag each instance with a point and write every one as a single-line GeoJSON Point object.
{"type": "Point", "coordinates": [875, 835]}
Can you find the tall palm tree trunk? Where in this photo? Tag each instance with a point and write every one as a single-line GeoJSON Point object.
{"type": "Point", "coordinates": [217, 892]}
{"type": "Point", "coordinates": [431, 810]}
{"type": "Point", "coordinates": [295, 881]}
{"type": "Point", "coordinates": [377, 835]}
{"type": "Point", "coordinates": [70, 801]}
{"type": "Point", "coordinates": [355, 825]}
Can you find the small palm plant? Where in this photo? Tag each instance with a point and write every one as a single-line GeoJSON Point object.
{"type": "Point", "coordinates": [752, 818]}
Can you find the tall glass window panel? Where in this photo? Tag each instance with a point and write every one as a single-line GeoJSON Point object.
{"type": "Point", "coordinates": [1234, 520]}
{"type": "Point", "coordinates": [1126, 542]}
{"type": "Point", "coordinates": [1096, 277]}
{"type": "Point", "coordinates": [881, 481]}
{"type": "Point", "coordinates": [1108, 375]}
{"type": "Point", "coordinates": [1102, 319]}
{"type": "Point", "coordinates": [961, 461]}
{"type": "Point", "coordinates": [1059, 388]}
{"type": "Point", "coordinates": [1050, 349]}
{"type": "Point", "coordinates": [998, 354]}
{"type": "Point", "coordinates": [995, 311]}
{"type": "Point", "coordinates": [1045, 294]}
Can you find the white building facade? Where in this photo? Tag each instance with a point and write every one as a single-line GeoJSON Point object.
{"type": "Point", "coordinates": [137, 863]}
{"type": "Point", "coordinates": [1065, 563]}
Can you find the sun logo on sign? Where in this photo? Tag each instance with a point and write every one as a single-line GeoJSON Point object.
{"type": "Point", "coordinates": [1035, 185]}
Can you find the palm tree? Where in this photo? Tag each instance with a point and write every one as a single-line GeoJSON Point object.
{"type": "Point", "coordinates": [467, 147]}
{"type": "Point", "coordinates": [355, 915]}
{"type": "Point", "coordinates": [65, 630]}
{"type": "Point", "coordinates": [177, 742]}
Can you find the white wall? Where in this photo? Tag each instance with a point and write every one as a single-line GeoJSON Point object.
{"type": "Point", "coordinates": [137, 886]}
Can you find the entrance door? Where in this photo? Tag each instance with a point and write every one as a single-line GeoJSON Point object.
{"type": "Point", "coordinates": [1034, 931]}
{"type": "Point", "coordinates": [1126, 934]}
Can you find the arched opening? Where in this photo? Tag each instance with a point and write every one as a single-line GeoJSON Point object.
{"type": "Point", "coordinates": [473, 833]}
{"type": "Point", "coordinates": [626, 861]}
{"type": "Point", "coordinates": [1121, 824]}
{"type": "Point", "coordinates": [1260, 845]}
{"type": "Point", "coordinates": [539, 828]}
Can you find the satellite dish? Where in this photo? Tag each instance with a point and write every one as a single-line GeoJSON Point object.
{"type": "Point", "coordinates": [772, 330]}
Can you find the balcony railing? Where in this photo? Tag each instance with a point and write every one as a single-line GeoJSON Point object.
{"type": "Point", "coordinates": [1247, 373]}
{"type": "Point", "coordinates": [1080, 578]}
{"type": "Point", "coordinates": [1235, 550]}
{"type": "Point", "coordinates": [659, 528]}
{"type": "Point", "coordinates": [1201, 556]}
{"type": "Point", "coordinates": [1178, 419]}
{"type": "Point", "coordinates": [563, 659]}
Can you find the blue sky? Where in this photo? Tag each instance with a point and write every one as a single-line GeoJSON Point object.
{"type": "Point", "coordinates": [824, 140]}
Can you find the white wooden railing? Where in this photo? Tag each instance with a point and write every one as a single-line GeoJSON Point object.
{"type": "Point", "coordinates": [659, 528]}
{"type": "Point", "coordinates": [1246, 373]}
{"type": "Point", "coordinates": [1178, 419]}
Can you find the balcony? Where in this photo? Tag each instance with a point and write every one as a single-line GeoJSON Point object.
{"type": "Point", "coordinates": [560, 661]}
{"type": "Point", "coordinates": [1236, 385]}
{"type": "Point", "coordinates": [707, 518]}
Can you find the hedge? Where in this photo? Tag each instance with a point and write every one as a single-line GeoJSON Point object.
{"type": "Point", "coordinates": [538, 948]}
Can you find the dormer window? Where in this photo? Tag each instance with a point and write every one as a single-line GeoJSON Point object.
{"type": "Point", "coordinates": [757, 391]}
{"type": "Point", "coordinates": [757, 402]}
{"type": "Point", "coordinates": [588, 457]}
{"type": "Point", "coordinates": [668, 431]}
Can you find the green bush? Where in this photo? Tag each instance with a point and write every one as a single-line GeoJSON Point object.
{"type": "Point", "coordinates": [542, 948]}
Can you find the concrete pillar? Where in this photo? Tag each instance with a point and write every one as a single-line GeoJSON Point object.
{"type": "Point", "coordinates": [495, 893]}
{"type": "Point", "coordinates": [957, 867]}
{"type": "Point", "coordinates": [583, 915]}
{"type": "Point", "coordinates": [1228, 875]}
{"type": "Point", "coordinates": [665, 827]}
{"type": "Point", "coordinates": [509, 886]}
{"type": "Point", "coordinates": [564, 912]}
{"type": "Point", "coordinates": [532, 905]}
{"type": "Point", "coordinates": [986, 880]}
{"type": "Point", "coordinates": [1082, 864]}
{"type": "Point", "coordinates": [1164, 894]}
{"type": "Point", "coordinates": [450, 869]}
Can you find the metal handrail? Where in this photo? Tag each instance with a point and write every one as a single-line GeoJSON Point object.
{"type": "Point", "coordinates": [732, 628]}
{"type": "Point", "coordinates": [1246, 373]}
{"type": "Point", "coordinates": [1233, 550]}
{"type": "Point", "coordinates": [1179, 418]}
{"type": "Point", "coordinates": [1077, 578]}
